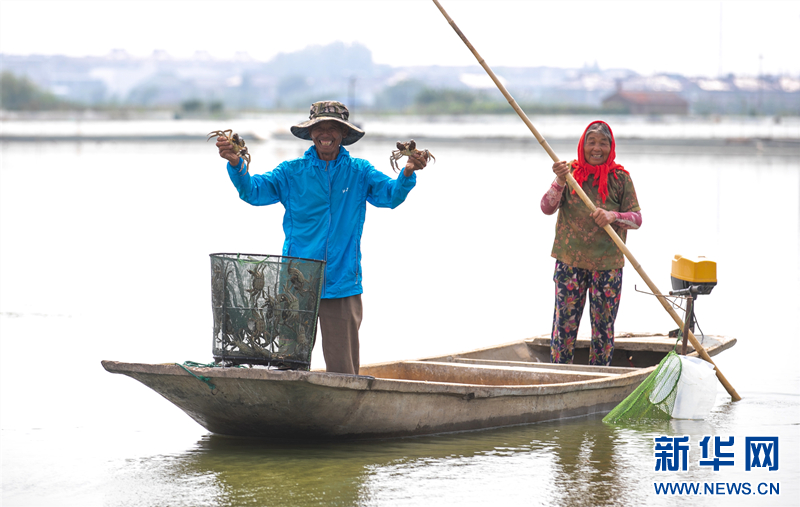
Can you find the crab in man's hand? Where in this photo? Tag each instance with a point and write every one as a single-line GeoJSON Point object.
{"type": "Point", "coordinates": [236, 140]}
{"type": "Point", "coordinates": [406, 150]}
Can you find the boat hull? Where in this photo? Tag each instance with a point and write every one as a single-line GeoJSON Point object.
{"type": "Point", "coordinates": [421, 397]}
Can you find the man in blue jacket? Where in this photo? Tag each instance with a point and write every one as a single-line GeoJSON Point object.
{"type": "Point", "coordinates": [325, 194]}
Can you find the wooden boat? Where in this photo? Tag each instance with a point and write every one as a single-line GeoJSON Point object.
{"type": "Point", "coordinates": [492, 387]}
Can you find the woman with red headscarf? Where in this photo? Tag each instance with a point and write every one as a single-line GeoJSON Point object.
{"type": "Point", "coordinates": [586, 257]}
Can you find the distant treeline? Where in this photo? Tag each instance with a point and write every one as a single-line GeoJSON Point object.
{"type": "Point", "coordinates": [409, 97]}
{"type": "Point", "coordinates": [431, 101]}
{"type": "Point", "coordinates": [21, 94]}
{"type": "Point", "coordinates": [405, 97]}
{"type": "Point", "coordinates": [414, 97]}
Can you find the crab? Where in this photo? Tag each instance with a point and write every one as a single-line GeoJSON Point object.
{"type": "Point", "coordinates": [270, 304]}
{"type": "Point", "coordinates": [299, 281]}
{"type": "Point", "coordinates": [406, 150]}
{"type": "Point", "coordinates": [219, 281]}
{"type": "Point", "coordinates": [302, 339]}
{"type": "Point", "coordinates": [236, 140]}
{"type": "Point", "coordinates": [290, 305]}
{"type": "Point", "coordinates": [257, 288]}
{"type": "Point", "coordinates": [226, 331]}
{"type": "Point", "coordinates": [257, 330]}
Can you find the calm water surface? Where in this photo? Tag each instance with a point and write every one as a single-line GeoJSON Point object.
{"type": "Point", "coordinates": [104, 255]}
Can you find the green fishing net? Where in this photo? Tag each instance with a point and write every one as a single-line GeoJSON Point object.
{"type": "Point", "coordinates": [265, 309]}
{"type": "Point", "coordinates": [655, 396]}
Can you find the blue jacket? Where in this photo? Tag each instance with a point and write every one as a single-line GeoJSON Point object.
{"type": "Point", "coordinates": [325, 203]}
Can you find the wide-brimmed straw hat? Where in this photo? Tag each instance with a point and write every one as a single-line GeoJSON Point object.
{"type": "Point", "coordinates": [327, 110]}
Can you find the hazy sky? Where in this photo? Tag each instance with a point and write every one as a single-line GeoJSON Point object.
{"type": "Point", "coordinates": [696, 38]}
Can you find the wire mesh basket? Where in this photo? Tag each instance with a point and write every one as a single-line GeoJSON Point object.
{"type": "Point", "coordinates": [265, 309]}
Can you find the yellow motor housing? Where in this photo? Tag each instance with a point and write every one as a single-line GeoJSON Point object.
{"type": "Point", "coordinates": [696, 272]}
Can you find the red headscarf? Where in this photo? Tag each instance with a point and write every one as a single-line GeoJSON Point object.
{"type": "Point", "coordinates": [582, 169]}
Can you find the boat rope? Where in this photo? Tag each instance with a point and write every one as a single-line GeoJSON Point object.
{"type": "Point", "coordinates": [198, 377]}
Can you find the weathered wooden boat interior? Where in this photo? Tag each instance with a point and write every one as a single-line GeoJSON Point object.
{"type": "Point", "coordinates": [492, 373]}
{"type": "Point", "coordinates": [527, 362]}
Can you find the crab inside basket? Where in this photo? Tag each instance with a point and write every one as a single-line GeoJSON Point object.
{"type": "Point", "coordinates": [265, 309]}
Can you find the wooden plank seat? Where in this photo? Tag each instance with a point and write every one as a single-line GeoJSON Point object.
{"type": "Point", "coordinates": [481, 374]}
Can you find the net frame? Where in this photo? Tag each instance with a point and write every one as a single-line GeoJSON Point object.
{"type": "Point", "coordinates": [265, 309]}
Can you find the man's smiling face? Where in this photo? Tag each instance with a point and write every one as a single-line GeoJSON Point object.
{"type": "Point", "coordinates": [327, 137]}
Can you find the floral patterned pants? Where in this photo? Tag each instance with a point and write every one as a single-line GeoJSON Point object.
{"type": "Point", "coordinates": [604, 289]}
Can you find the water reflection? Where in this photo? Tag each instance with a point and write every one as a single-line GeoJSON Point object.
{"type": "Point", "coordinates": [573, 462]}
{"type": "Point", "coordinates": [579, 461]}
{"type": "Point", "coordinates": [586, 464]}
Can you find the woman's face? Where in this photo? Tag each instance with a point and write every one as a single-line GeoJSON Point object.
{"type": "Point", "coordinates": [596, 148]}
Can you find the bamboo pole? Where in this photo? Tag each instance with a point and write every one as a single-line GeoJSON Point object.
{"type": "Point", "coordinates": [585, 198]}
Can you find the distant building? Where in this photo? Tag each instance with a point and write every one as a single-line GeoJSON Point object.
{"type": "Point", "coordinates": [291, 81]}
{"type": "Point", "coordinates": [645, 102]}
